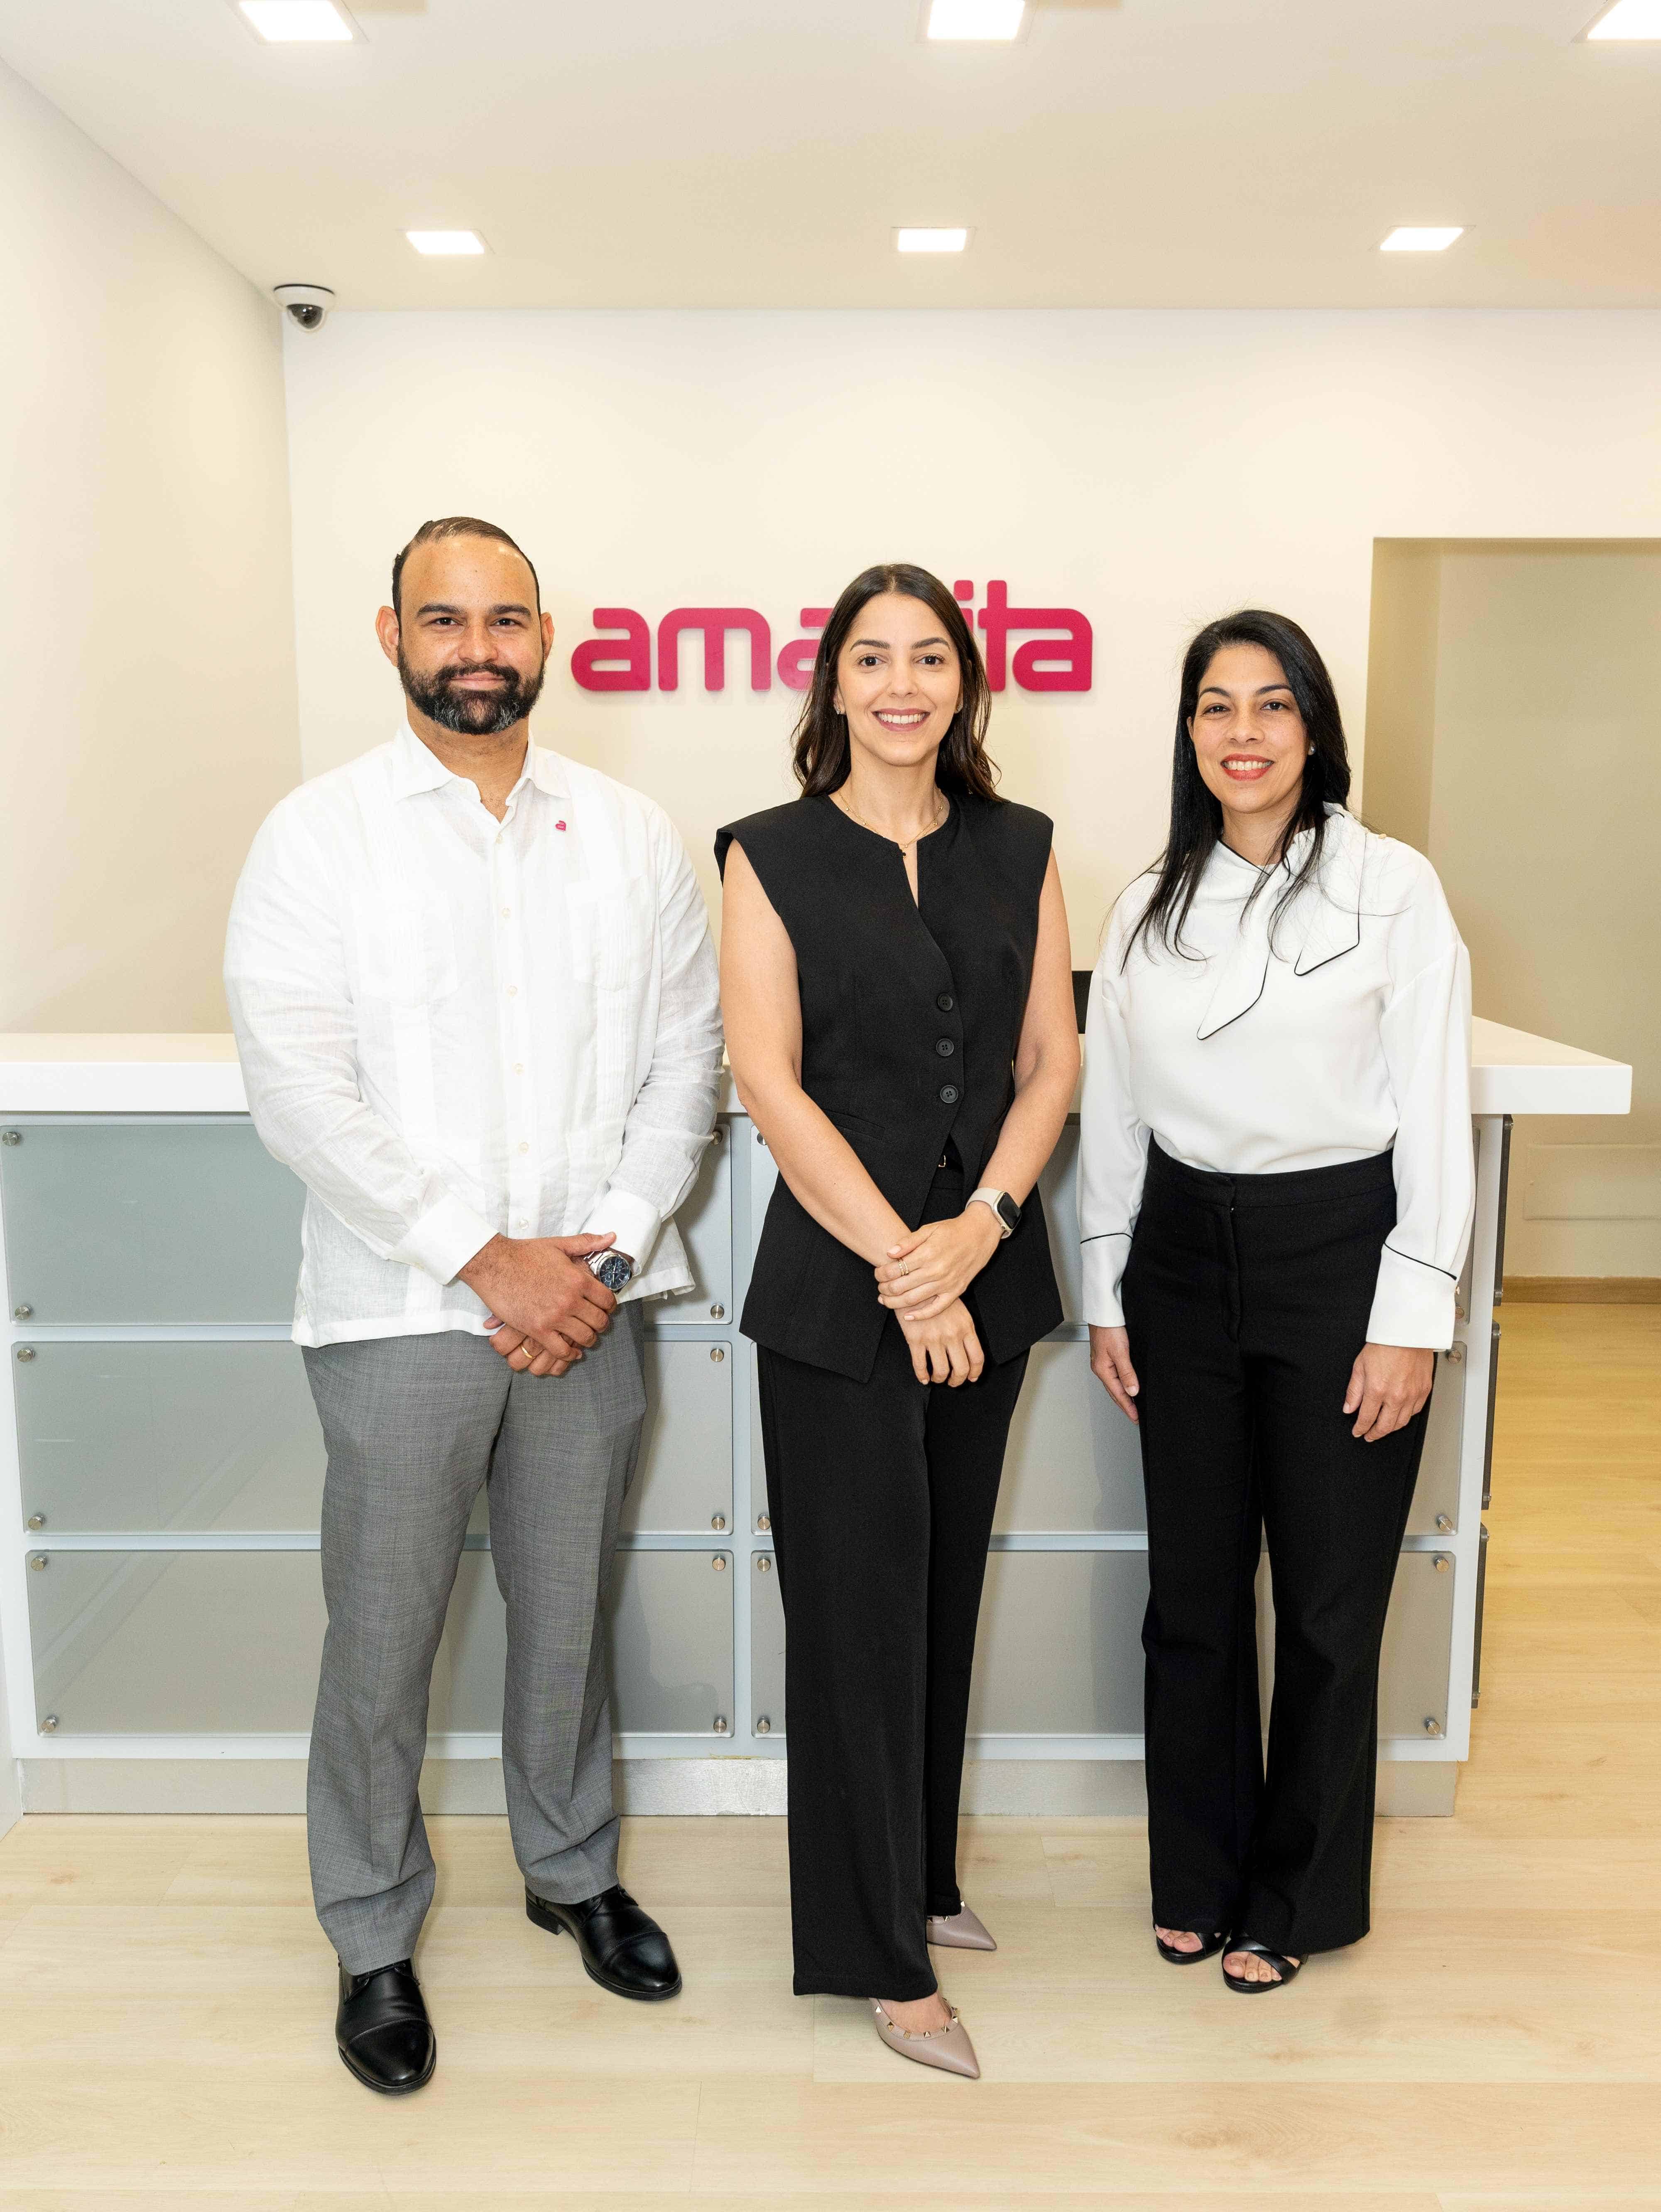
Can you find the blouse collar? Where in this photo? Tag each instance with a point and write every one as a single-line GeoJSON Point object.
{"type": "Point", "coordinates": [1323, 921]}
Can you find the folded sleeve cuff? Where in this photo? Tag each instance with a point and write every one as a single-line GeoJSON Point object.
{"type": "Point", "coordinates": [1103, 1265]}
{"type": "Point", "coordinates": [1412, 1304]}
{"type": "Point", "coordinates": [635, 1222]}
{"type": "Point", "coordinates": [444, 1240]}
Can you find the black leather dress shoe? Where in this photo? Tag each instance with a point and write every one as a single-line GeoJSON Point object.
{"type": "Point", "coordinates": [382, 2030]}
{"type": "Point", "coordinates": [622, 1947]}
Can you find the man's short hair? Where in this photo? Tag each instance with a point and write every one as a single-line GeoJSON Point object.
{"type": "Point", "coordinates": [458, 525]}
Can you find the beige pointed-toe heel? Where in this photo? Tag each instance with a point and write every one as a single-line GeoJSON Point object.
{"type": "Point", "coordinates": [963, 1931]}
{"type": "Point", "coordinates": [947, 2048]}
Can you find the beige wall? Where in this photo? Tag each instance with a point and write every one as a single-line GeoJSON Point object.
{"type": "Point", "coordinates": [1152, 468]}
{"type": "Point", "coordinates": [1515, 713]}
{"type": "Point", "coordinates": [146, 611]}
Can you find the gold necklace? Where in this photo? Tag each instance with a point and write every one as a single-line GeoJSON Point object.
{"type": "Point", "coordinates": [905, 844]}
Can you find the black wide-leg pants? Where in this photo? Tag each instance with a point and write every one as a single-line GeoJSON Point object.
{"type": "Point", "coordinates": [881, 1496]}
{"type": "Point", "coordinates": [1247, 1299]}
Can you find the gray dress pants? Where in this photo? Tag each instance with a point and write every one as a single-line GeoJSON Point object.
{"type": "Point", "coordinates": [415, 1426]}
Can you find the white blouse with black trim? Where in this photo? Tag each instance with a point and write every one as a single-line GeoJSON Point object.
{"type": "Point", "coordinates": [1338, 1030]}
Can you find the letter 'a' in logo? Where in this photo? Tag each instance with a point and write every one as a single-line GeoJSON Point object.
{"type": "Point", "coordinates": [604, 663]}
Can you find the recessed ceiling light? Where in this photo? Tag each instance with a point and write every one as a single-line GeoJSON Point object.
{"type": "Point", "coordinates": [976, 19]}
{"type": "Point", "coordinates": [446, 242]}
{"type": "Point", "coordinates": [908, 239]}
{"type": "Point", "coordinates": [297, 22]}
{"type": "Point", "coordinates": [1407, 239]}
{"type": "Point", "coordinates": [1627, 18]}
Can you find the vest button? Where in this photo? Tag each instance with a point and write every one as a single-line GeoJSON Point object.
{"type": "Point", "coordinates": [948, 1094]}
{"type": "Point", "coordinates": [945, 1002]}
{"type": "Point", "coordinates": [945, 1047]}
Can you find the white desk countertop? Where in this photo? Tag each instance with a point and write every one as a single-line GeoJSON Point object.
{"type": "Point", "coordinates": [1512, 1073]}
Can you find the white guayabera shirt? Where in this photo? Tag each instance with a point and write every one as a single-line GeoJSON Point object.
{"type": "Point", "coordinates": [453, 1028]}
{"type": "Point", "coordinates": [1347, 1036]}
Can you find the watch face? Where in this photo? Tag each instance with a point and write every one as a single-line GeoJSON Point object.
{"type": "Point", "coordinates": [614, 1271]}
{"type": "Point", "coordinates": [1008, 1212]}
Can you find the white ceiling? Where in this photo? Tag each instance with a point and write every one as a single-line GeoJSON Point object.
{"type": "Point", "coordinates": [718, 153]}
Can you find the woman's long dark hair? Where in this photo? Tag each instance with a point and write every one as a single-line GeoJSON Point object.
{"type": "Point", "coordinates": [821, 734]}
{"type": "Point", "coordinates": [1197, 817]}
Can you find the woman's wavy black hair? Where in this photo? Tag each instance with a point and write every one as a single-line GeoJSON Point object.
{"type": "Point", "coordinates": [1197, 817]}
{"type": "Point", "coordinates": [821, 733]}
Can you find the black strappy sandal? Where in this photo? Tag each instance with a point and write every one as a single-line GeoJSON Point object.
{"type": "Point", "coordinates": [1173, 1957]}
{"type": "Point", "coordinates": [1286, 1968]}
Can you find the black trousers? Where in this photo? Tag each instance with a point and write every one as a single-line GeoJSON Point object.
{"type": "Point", "coordinates": [881, 1496]}
{"type": "Point", "coordinates": [1246, 1299]}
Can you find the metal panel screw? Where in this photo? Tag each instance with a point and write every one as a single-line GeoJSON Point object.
{"type": "Point", "coordinates": [49, 1725]}
{"type": "Point", "coordinates": [1456, 1353]}
{"type": "Point", "coordinates": [716, 1354]}
{"type": "Point", "coordinates": [760, 1139]}
{"type": "Point", "coordinates": [11, 1136]}
{"type": "Point", "coordinates": [37, 1520]}
{"type": "Point", "coordinates": [25, 1353]}
{"type": "Point", "coordinates": [762, 1521]}
{"type": "Point", "coordinates": [717, 1313]}
{"type": "Point", "coordinates": [763, 1726]}
{"type": "Point", "coordinates": [764, 1564]}
{"type": "Point", "coordinates": [720, 1724]}
{"type": "Point", "coordinates": [1443, 1563]}
{"type": "Point", "coordinates": [717, 1520]}
{"type": "Point", "coordinates": [1444, 1524]}
{"type": "Point", "coordinates": [1433, 1726]}
{"type": "Point", "coordinates": [38, 1560]}
{"type": "Point", "coordinates": [719, 1563]}
{"type": "Point", "coordinates": [22, 1313]}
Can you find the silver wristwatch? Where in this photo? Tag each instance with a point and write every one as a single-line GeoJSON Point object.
{"type": "Point", "coordinates": [615, 1269]}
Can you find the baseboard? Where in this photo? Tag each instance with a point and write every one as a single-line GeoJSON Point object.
{"type": "Point", "coordinates": [1583, 1290]}
{"type": "Point", "coordinates": [1060, 1787]}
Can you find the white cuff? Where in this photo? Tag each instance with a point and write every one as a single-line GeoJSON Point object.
{"type": "Point", "coordinates": [445, 1239]}
{"type": "Point", "coordinates": [1412, 1304]}
{"type": "Point", "coordinates": [633, 1221]}
{"type": "Point", "coordinates": [1104, 1259]}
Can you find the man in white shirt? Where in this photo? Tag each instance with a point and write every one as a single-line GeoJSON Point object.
{"type": "Point", "coordinates": [476, 1001]}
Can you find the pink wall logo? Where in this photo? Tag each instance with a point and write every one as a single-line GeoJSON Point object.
{"type": "Point", "coordinates": [1056, 654]}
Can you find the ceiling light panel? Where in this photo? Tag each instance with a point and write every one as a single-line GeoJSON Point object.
{"type": "Point", "coordinates": [908, 239]}
{"type": "Point", "coordinates": [297, 22]}
{"type": "Point", "coordinates": [1628, 19]}
{"type": "Point", "coordinates": [1409, 238]}
{"type": "Point", "coordinates": [983, 20]}
{"type": "Point", "coordinates": [446, 242]}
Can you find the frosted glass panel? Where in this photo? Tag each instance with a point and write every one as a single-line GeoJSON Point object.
{"type": "Point", "coordinates": [670, 1645]}
{"type": "Point", "coordinates": [1438, 1488]}
{"type": "Point", "coordinates": [143, 1222]}
{"type": "Point", "coordinates": [1060, 1649]}
{"type": "Point", "coordinates": [1061, 1207]}
{"type": "Point", "coordinates": [683, 1482]}
{"type": "Point", "coordinates": [157, 1437]}
{"type": "Point", "coordinates": [705, 1222]}
{"type": "Point", "coordinates": [766, 1644]}
{"type": "Point", "coordinates": [1073, 1461]}
{"type": "Point", "coordinates": [1412, 1683]}
{"type": "Point", "coordinates": [176, 1642]}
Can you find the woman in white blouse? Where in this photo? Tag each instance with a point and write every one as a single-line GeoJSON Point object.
{"type": "Point", "coordinates": [1275, 1193]}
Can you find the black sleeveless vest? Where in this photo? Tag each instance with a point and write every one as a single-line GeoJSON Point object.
{"type": "Point", "coordinates": [912, 1010]}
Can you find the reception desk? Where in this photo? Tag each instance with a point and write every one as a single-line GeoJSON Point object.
{"type": "Point", "coordinates": [162, 1469]}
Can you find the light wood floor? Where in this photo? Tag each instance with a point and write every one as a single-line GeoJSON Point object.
{"type": "Point", "coordinates": [165, 1999]}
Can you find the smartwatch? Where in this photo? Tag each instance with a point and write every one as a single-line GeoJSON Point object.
{"type": "Point", "coordinates": [1008, 1214]}
{"type": "Point", "coordinates": [615, 1269]}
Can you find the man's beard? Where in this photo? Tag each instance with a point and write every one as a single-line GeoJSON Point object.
{"type": "Point", "coordinates": [473, 714]}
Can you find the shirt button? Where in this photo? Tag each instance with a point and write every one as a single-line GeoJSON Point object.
{"type": "Point", "coordinates": [945, 1002]}
{"type": "Point", "coordinates": [524, 1148]}
{"type": "Point", "coordinates": [506, 911]}
{"type": "Point", "coordinates": [519, 1067]}
{"type": "Point", "coordinates": [522, 1223]}
{"type": "Point", "coordinates": [945, 1047]}
{"type": "Point", "coordinates": [948, 1094]}
{"type": "Point", "coordinates": [512, 990]}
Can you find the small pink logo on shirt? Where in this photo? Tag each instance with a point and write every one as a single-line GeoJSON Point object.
{"type": "Point", "coordinates": [559, 825]}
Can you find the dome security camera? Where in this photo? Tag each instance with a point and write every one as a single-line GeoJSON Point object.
{"type": "Point", "coordinates": [306, 305]}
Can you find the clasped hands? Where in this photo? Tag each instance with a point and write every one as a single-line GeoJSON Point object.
{"type": "Point", "coordinates": [922, 1283]}
{"type": "Point", "coordinates": [545, 1308]}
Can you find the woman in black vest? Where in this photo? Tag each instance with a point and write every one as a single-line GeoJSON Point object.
{"type": "Point", "coordinates": [897, 982]}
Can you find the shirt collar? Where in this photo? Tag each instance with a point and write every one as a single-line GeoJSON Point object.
{"type": "Point", "coordinates": [416, 768]}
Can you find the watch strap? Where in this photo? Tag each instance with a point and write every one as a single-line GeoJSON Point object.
{"type": "Point", "coordinates": [988, 1196]}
